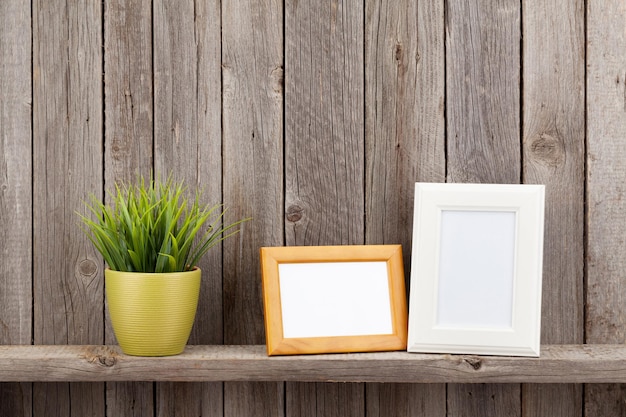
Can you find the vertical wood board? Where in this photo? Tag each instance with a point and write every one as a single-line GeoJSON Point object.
{"type": "Point", "coordinates": [324, 155]}
{"type": "Point", "coordinates": [553, 146]}
{"type": "Point", "coordinates": [128, 90]}
{"type": "Point", "coordinates": [405, 139]}
{"type": "Point", "coordinates": [406, 400]}
{"type": "Point", "coordinates": [67, 155]}
{"type": "Point", "coordinates": [606, 173]}
{"type": "Point", "coordinates": [252, 106]}
{"type": "Point", "coordinates": [404, 114]}
{"type": "Point", "coordinates": [483, 136]}
{"type": "Point", "coordinates": [187, 143]}
{"type": "Point", "coordinates": [15, 171]}
{"type": "Point", "coordinates": [128, 146]}
{"type": "Point", "coordinates": [471, 400]}
{"type": "Point", "coordinates": [325, 399]}
{"type": "Point", "coordinates": [482, 91]}
{"type": "Point", "coordinates": [16, 221]}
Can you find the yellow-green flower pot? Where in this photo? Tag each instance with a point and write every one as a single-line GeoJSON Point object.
{"type": "Point", "coordinates": [152, 313]}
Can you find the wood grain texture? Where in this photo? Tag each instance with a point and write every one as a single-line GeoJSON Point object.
{"type": "Point", "coordinates": [16, 194]}
{"type": "Point", "coordinates": [128, 89]}
{"type": "Point", "coordinates": [483, 91]}
{"type": "Point", "coordinates": [553, 144]}
{"type": "Point", "coordinates": [406, 400]}
{"type": "Point", "coordinates": [67, 158]}
{"type": "Point", "coordinates": [596, 364]}
{"type": "Point", "coordinates": [67, 167]}
{"type": "Point", "coordinates": [605, 400]}
{"type": "Point", "coordinates": [483, 135]}
{"type": "Point", "coordinates": [252, 174]}
{"type": "Point", "coordinates": [324, 133]}
{"type": "Point", "coordinates": [553, 147]}
{"type": "Point", "coordinates": [128, 144]}
{"type": "Point", "coordinates": [253, 154]}
{"type": "Point", "coordinates": [606, 174]}
{"type": "Point", "coordinates": [404, 114]}
{"type": "Point", "coordinates": [405, 143]}
{"type": "Point", "coordinates": [606, 151]}
{"type": "Point", "coordinates": [129, 399]}
{"type": "Point", "coordinates": [182, 399]}
{"type": "Point", "coordinates": [470, 400]}
{"type": "Point", "coordinates": [16, 399]}
{"type": "Point", "coordinates": [324, 154]}
{"type": "Point", "coordinates": [320, 399]}
{"type": "Point", "coordinates": [187, 144]}
{"type": "Point", "coordinates": [15, 169]}
{"type": "Point", "coordinates": [188, 134]}
{"type": "Point", "coordinates": [51, 156]}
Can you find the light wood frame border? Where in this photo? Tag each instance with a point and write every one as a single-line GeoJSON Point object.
{"type": "Point", "coordinates": [271, 257]}
{"type": "Point", "coordinates": [523, 338]}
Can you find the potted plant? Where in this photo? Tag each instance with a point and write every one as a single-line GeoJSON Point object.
{"type": "Point", "coordinates": [152, 237]}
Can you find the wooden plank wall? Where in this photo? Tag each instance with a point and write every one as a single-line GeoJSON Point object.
{"type": "Point", "coordinates": [315, 118]}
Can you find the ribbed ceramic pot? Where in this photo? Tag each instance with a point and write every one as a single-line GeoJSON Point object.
{"type": "Point", "coordinates": [152, 313]}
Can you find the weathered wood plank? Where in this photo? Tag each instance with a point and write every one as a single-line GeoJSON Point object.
{"type": "Point", "coordinates": [324, 132]}
{"type": "Point", "coordinates": [404, 114]}
{"type": "Point", "coordinates": [129, 399]}
{"type": "Point", "coordinates": [252, 174]}
{"type": "Point", "coordinates": [404, 137]}
{"type": "Point", "coordinates": [15, 171]}
{"type": "Point", "coordinates": [253, 154]}
{"type": "Point", "coordinates": [606, 174]}
{"type": "Point", "coordinates": [187, 143]}
{"type": "Point", "coordinates": [323, 399]}
{"type": "Point", "coordinates": [183, 399]}
{"type": "Point", "coordinates": [324, 158]}
{"type": "Point", "coordinates": [406, 400]}
{"type": "Point", "coordinates": [483, 135]}
{"type": "Point", "coordinates": [128, 89]}
{"type": "Point", "coordinates": [557, 364]}
{"type": "Point", "coordinates": [16, 194]}
{"type": "Point", "coordinates": [67, 166]}
{"type": "Point", "coordinates": [188, 127]}
{"type": "Point", "coordinates": [128, 141]}
{"type": "Point", "coordinates": [483, 91]}
{"type": "Point", "coordinates": [16, 399]}
{"type": "Point", "coordinates": [483, 400]}
{"type": "Point", "coordinates": [553, 146]}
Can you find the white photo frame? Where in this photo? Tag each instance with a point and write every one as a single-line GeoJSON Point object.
{"type": "Point", "coordinates": [476, 271]}
{"type": "Point", "coordinates": [330, 299]}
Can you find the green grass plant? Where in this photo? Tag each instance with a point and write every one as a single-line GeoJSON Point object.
{"type": "Point", "coordinates": [151, 226]}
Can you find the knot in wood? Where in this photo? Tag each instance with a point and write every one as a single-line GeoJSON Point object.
{"type": "Point", "coordinates": [119, 149]}
{"type": "Point", "coordinates": [475, 363]}
{"type": "Point", "coordinates": [398, 52]}
{"type": "Point", "coordinates": [277, 76]}
{"type": "Point", "coordinates": [107, 361]}
{"type": "Point", "coordinates": [87, 267]}
{"type": "Point", "coordinates": [548, 150]}
{"type": "Point", "coordinates": [294, 213]}
{"type": "Point", "coordinates": [102, 356]}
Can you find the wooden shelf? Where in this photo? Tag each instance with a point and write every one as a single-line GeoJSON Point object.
{"type": "Point", "coordinates": [557, 364]}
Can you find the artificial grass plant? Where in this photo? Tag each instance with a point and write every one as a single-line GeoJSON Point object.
{"type": "Point", "coordinates": [151, 226]}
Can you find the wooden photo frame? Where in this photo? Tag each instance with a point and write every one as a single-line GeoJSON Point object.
{"type": "Point", "coordinates": [476, 269]}
{"type": "Point", "coordinates": [323, 299]}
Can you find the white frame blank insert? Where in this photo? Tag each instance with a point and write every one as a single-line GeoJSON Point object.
{"type": "Point", "coordinates": [477, 269]}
